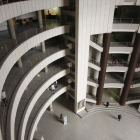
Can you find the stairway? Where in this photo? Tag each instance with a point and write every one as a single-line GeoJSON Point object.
{"type": "Point", "coordinates": [91, 109]}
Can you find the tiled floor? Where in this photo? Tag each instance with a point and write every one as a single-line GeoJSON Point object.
{"type": "Point", "coordinates": [100, 126]}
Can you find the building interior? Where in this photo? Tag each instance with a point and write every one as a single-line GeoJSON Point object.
{"type": "Point", "coordinates": [69, 69]}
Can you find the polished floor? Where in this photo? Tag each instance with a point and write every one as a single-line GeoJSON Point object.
{"type": "Point", "coordinates": [99, 126]}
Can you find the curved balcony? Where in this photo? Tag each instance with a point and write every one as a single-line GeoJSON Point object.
{"type": "Point", "coordinates": [26, 44]}
{"type": "Point", "coordinates": [135, 83]}
{"type": "Point", "coordinates": [35, 120]}
{"type": "Point", "coordinates": [117, 67]}
{"type": "Point", "coordinates": [129, 2]}
{"type": "Point", "coordinates": [15, 9]}
{"type": "Point", "coordinates": [115, 47]}
{"type": "Point", "coordinates": [133, 98]}
{"type": "Point", "coordinates": [57, 54]}
{"type": "Point", "coordinates": [70, 36]}
{"type": "Point", "coordinates": [121, 47]}
{"type": "Point", "coordinates": [109, 83]}
{"type": "Point", "coordinates": [125, 25]}
{"type": "Point", "coordinates": [32, 95]}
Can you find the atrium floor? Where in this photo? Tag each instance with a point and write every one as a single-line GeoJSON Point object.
{"type": "Point", "coordinates": [99, 126]}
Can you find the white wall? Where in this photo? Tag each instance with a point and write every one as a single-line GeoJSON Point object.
{"type": "Point", "coordinates": [92, 17]}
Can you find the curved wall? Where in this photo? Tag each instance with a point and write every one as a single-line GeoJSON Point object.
{"type": "Point", "coordinates": [27, 45]}
{"type": "Point", "coordinates": [34, 99]}
{"type": "Point", "coordinates": [43, 109]}
{"type": "Point", "coordinates": [12, 10]}
{"type": "Point", "coordinates": [23, 84]}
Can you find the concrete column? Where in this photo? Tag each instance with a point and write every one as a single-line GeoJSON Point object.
{"type": "Point", "coordinates": [11, 28]}
{"type": "Point", "coordinates": [104, 59]}
{"type": "Point", "coordinates": [41, 26]}
{"type": "Point", "coordinates": [19, 63]}
{"type": "Point", "coordinates": [51, 108]}
{"type": "Point", "coordinates": [46, 69]}
{"type": "Point", "coordinates": [131, 70]}
{"type": "Point", "coordinates": [139, 108]}
{"type": "Point", "coordinates": [40, 19]}
{"type": "Point", "coordinates": [134, 37]}
{"type": "Point", "coordinates": [43, 46]}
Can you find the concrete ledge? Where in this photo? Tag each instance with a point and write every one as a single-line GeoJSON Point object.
{"type": "Point", "coordinates": [34, 99]}
{"type": "Point", "coordinates": [43, 109]}
{"type": "Point", "coordinates": [22, 86]}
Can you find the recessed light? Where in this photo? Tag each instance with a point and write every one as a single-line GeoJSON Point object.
{"type": "Point", "coordinates": [111, 98]}
{"type": "Point", "coordinates": [38, 75]}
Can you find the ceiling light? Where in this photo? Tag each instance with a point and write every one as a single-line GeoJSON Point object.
{"type": "Point", "coordinates": [38, 75]}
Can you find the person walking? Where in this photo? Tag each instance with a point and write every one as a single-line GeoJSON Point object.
{"type": "Point", "coordinates": [55, 84]}
{"type": "Point", "coordinates": [52, 87]}
{"type": "Point", "coordinates": [3, 97]}
{"type": "Point", "coordinates": [119, 117]}
{"type": "Point", "coordinates": [107, 104]}
{"type": "Point", "coordinates": [61, 116]}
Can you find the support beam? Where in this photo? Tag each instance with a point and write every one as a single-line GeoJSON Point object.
{"type": "Point", "coordinates": [46, 69]}
{"type": "Point", "coordinates": [104, 59]}
{"type": "Point", "coordinates": [139, 108]}
{"type": "Point", "coordinates": [131, 70]}
{"type": "Point", "coordinates": [51, 108]}
{"type": "Point", "coordinates": [43, 46]}
{"type": "Point", "coordinates": [19, 63]}
{"type": "Point", "coordinates": [40, 19]}
{"type": "Point", "coordinates": [11, 28]}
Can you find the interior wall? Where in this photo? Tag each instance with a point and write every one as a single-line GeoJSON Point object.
{"type": "Point", "coordinates": [54, 11]}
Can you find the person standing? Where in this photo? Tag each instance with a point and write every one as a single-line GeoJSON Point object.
{"type": "Point", "coordinates": [61, 116]}
{"type": "Point", "coordinates": [3, 97]}
{"type": "Point", "coordinates": [107, 104]}
{"type": "Point", "coordinates": [119, 117]}
{"type": "Point", "coordinates": [52, 87]}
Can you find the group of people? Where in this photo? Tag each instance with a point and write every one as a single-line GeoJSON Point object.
{"type": "Point", "coordinates": [114, 62]}
{"type": "Point", "coordinates": [119, 116]}
{"type": "Point", "coordinates": [53, 86]}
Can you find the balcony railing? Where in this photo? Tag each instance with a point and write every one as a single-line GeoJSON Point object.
{"type": "Point", "coordinates": [94, 62]}
{"type": "Point", "coordinates": [10, 1]}
{"type": "Point", "coordinates": [8, 45]}
{"type": "Point", "coordinates": [127, 20]}
{"type": "Point", "coordinates": [114, 80]}
{"type": "Point", "coordinates": [135, 81]}
{"type": "Point", "coordinates": [130, 0]}
{"type": "Point", "coordinates": [121, 44]}
{"type": "Point", "coordinates": [118, 64]}
{"type": "Point", "coordinates": [138, 65]}
{"type": "Point", "coordinates": [93, 80]}
{"type": "Point", "coordinates": [95, 40]}
{"type": "Point", "coordinates": [132, 97]}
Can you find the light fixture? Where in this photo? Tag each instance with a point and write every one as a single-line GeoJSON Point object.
{"type": "Point", "coordinates": [111, 98]}
{"type": "Point", "coordinates": [38, 75]}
